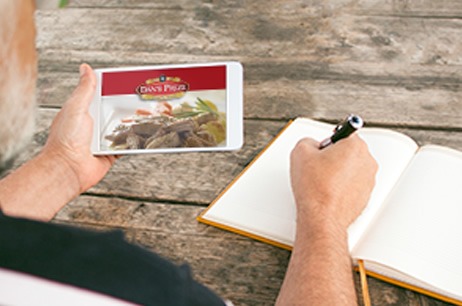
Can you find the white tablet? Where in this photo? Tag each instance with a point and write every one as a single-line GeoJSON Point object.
{"type": "Point", "coordinates": [168, 108]}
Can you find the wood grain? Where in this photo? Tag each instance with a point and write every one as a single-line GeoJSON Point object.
{"type": "Point", "coordinates": [283, 99]}
{"type": "Point", "coordinates": [412, 9]}
{"type": "Point", "coordinates": [397, 63]}
{"type": "Point", "coordinates": [322, 64]}
{"type": "Point", "coordinates": [238, 268]}
{"type": "Point", "coordinates": [196, 178]}
{"type": "Point", "coordinates": [263, 31]}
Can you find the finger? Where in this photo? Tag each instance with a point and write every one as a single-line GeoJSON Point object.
{"type": "Point", "coordinates": [309, 141]}
{"type": "Point", "coordinates": [83, 94]}
{"type": "Point", "coordinates": [111, 158]}
{"type": "Point", "coordinates": [308, 144]}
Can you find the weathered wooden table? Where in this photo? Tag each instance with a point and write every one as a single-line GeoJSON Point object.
{"type": "Point", "coordinates": [396, 62]}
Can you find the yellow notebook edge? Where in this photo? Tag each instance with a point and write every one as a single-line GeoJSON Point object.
{"type": "Point", "coordinates": [245, 233]}
{"type": "Point", "coordinates": [411, 287]}
{"type": "Point", "coordinates": [201, 218]}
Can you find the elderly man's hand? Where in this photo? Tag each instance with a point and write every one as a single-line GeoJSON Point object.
{"type": "Point", "coordinates": [71, 134]}
{"type": "Point", "coordinates": [333, 184]}
{"type": "Point", "coordinates": [331, 187]}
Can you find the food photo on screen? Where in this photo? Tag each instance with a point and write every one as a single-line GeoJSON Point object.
{"type": "Point", "coordinates": [163, 108]}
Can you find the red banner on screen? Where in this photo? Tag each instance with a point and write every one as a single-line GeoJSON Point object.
{"type": "Point", "coordinates": [176, 79]}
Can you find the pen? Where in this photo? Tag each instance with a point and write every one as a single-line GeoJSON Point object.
{"type": "Point", "coordinates": [344, 129]}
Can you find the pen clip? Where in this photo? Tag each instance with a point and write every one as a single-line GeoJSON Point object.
{"type": "Point", "coordinates": [341, 123]}
{"type": "Point", "coordinates": [338, 127]}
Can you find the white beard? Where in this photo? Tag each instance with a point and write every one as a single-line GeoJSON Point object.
{"type": "Point", "coordinates": [17, 89]}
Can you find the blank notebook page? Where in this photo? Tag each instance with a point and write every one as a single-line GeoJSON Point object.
{"type": "Point", "coordinates": [419, 231]}
{"type": "Point", "coordinates": [261, 200]}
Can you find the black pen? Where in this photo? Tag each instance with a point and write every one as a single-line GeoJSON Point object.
{"type": "Point", "coordinates": [344, 129]}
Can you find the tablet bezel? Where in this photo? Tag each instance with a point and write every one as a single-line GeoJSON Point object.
{"type": "Point", "coordinates": [234, 109]}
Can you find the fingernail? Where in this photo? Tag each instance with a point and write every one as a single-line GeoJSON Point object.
{"type": "Point", "coordinates": [82, 69]}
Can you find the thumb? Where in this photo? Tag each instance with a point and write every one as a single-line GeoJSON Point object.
{"type": "Point", "coordinates": [83, 94]}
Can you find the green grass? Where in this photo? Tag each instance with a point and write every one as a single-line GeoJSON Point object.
{"type": "Point", "coordinates": [63, 3]}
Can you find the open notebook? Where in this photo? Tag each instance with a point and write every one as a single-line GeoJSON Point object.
{"type": "Point", "coordinates": [410, 233]}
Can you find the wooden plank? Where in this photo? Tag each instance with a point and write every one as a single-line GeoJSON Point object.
{"type": "Point", "coordinates": [195, 177]}
{"type": "Point", "coordinates": [423, 89]}
{"type": "Point", "coordinates": [189, 177]}
{"type": "Point", "coordinates": [238, 268]}
{"type": "Point", "coordinates": [303, 67]}
{"type": "Point", "coordinates": [385, 105]}
{"type": "Point", "coordinates": [421, 8]}
{"type": "Point", "coordinates": [282, 99]}
{"type": "Point", "coordinates": [147, 4]}
{"type": "Point", "coordinates": [262, 31]}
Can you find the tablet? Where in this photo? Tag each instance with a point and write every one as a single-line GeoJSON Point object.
{"type": "Point", "coordinates": [168, 108]}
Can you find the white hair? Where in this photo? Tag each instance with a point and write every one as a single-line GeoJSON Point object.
{"type": "Point", "coordinates": [18, 71]}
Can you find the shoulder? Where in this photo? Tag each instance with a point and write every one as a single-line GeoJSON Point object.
{"type": "Point", "coordinates": [98, 261]}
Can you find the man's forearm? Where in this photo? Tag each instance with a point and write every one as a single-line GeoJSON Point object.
{"type": "Point", "coordinates": [38, 189]}
{"type": "Point", "coordinates": [320, 271]}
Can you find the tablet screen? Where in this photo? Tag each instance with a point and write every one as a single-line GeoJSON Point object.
{"type": "Point", "coordinates": [163, 108]}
